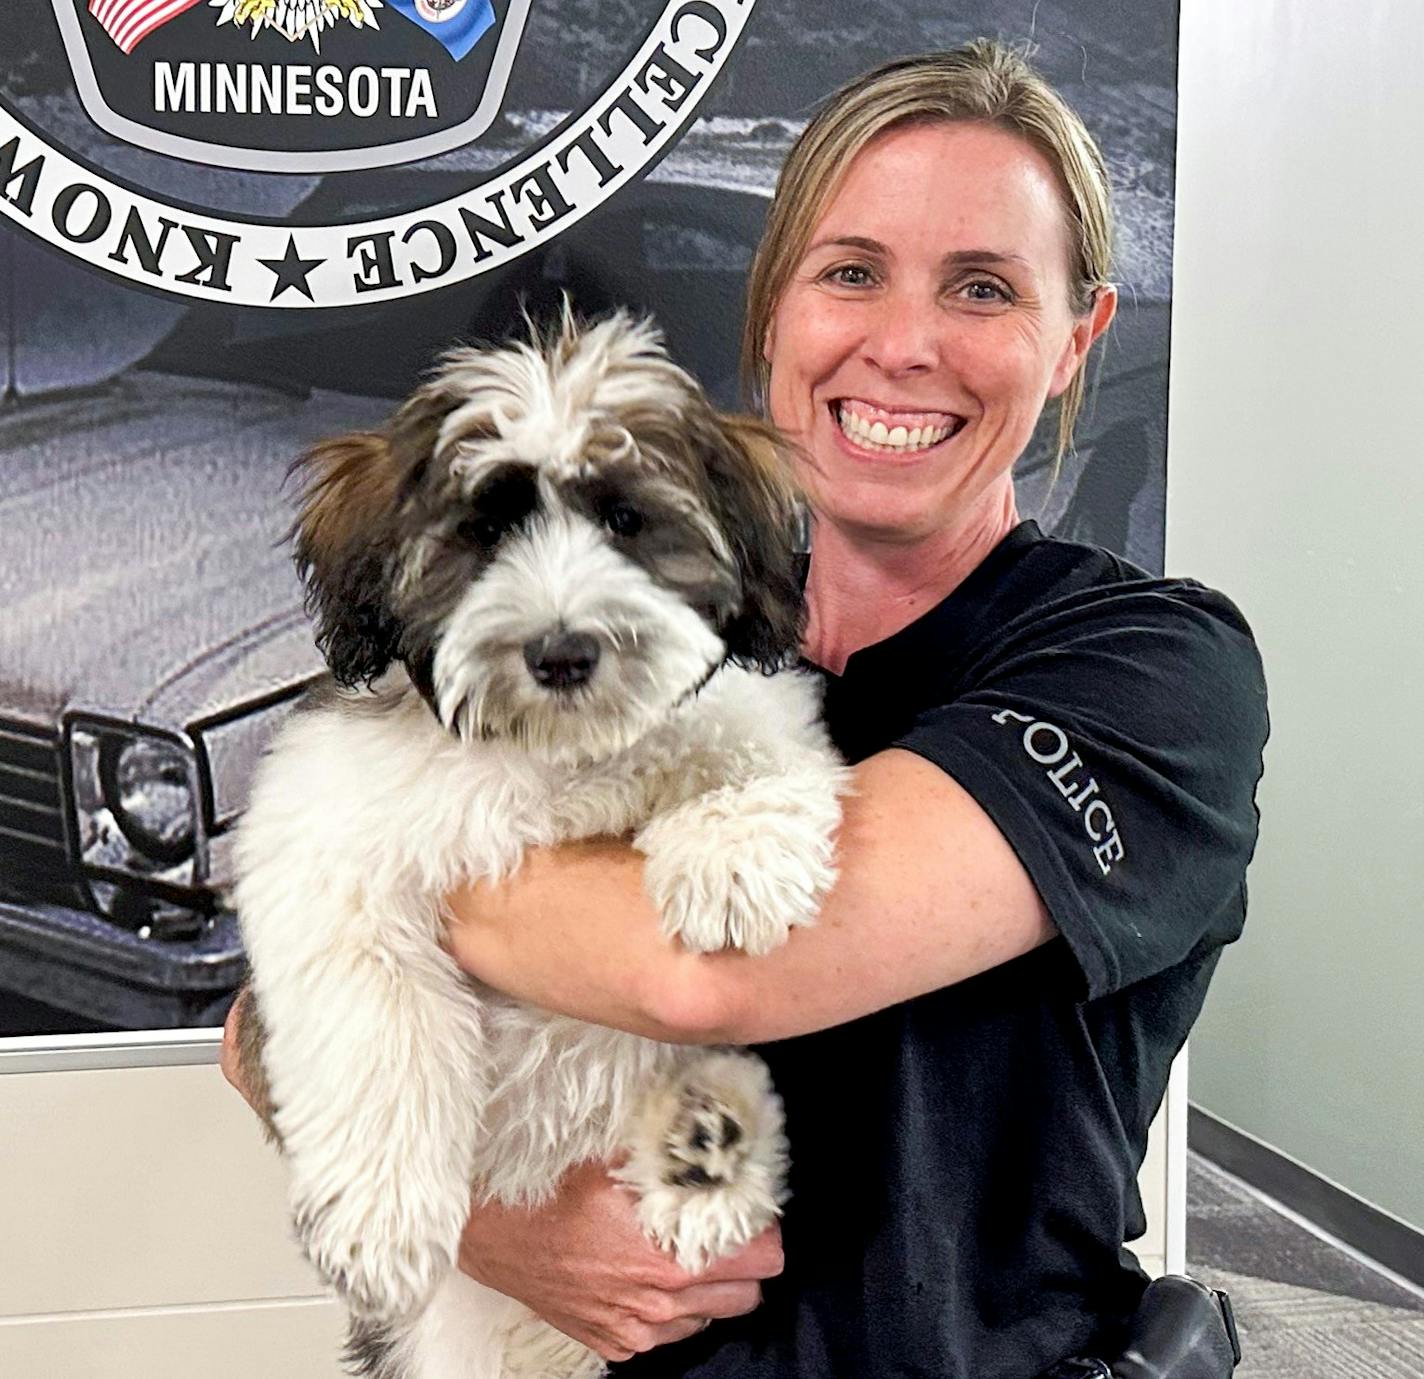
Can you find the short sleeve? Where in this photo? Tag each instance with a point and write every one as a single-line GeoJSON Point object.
{"type": "Point", "coordinates": [1116, 742]}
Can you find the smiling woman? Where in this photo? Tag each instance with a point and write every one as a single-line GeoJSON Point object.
{"type": "Point", "coordinates": [1055, 758]}
{"type": "Point", "coordinates": [973, 1040]}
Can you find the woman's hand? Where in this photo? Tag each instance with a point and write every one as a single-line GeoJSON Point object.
{"type": "Point", "coordinates": [583, 1264]}
{"type": "Point", "coordinates": [241, 1059]}
{"type": "Point", "coordinates": [229, 1056]}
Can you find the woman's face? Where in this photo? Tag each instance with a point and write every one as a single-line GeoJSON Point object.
{"type": "Point", "coordinates": [925, 327]}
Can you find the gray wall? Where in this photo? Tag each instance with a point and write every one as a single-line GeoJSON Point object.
{"type": "Point", "coordinates": [1296, 483]}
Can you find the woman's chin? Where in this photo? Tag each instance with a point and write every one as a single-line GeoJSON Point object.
{"type": "Point", "coordinates": [880, 522]}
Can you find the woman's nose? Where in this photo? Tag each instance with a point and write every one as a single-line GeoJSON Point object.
{"type": "Point", "coordinates": [902, 336]}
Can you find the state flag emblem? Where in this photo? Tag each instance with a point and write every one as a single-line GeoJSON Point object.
{"type": "Point", "coordinates": [458, 24]}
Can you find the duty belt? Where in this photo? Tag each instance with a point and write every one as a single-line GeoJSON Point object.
{"type": "Point", "coordinates": [1181, 1330]}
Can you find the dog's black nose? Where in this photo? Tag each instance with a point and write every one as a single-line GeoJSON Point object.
{"type": "Point", "coordinates": [561, 660]}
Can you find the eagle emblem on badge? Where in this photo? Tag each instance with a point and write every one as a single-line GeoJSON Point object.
{"type": "Point", "coordinates": [458, 25]}
{"type": "Point", "coordinates": [297, 19]}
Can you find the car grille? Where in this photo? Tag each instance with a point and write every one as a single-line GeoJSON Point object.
{"type": "Point", "coordinates": [33, 852]}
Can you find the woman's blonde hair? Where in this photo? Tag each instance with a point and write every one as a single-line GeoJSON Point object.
{"type": "Point", "coordinates": [983, 82]}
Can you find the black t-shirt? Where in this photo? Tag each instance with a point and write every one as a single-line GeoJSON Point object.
{"type": "Point", "coordinates": [964, 1165]}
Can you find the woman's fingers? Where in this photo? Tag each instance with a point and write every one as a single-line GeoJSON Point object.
{"type": "Point", "coordinates": [679, 1330]}
{"type": "Point", "coordinates": [625, 1334]}
{"type": "Point", "coordinates": [757, 1259]}
{"type": "Point", "coordinates": [634, 1336]}
{"type": "Point", "coordinates": [711, 1301]}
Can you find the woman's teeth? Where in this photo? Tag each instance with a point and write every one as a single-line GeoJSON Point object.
{"type": "Point", "coordinates": [875, 434]}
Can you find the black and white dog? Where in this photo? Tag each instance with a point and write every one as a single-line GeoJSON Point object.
{"type": "Point", "coordinates": [548, 592]}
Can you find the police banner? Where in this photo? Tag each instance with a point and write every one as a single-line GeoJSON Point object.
{"type": "Point", "coordinates": [229, 228]}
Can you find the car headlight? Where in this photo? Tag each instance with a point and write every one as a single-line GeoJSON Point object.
{"type": "Point", "coordinates": [136, 803]}
{"type": "Point", "coordinates": [150, 788]}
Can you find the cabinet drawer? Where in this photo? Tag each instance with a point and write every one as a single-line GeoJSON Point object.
{"type": "Point", "coordinates": [235, 1342]}
{"type": "Point", "coordinates": [138, 1187]}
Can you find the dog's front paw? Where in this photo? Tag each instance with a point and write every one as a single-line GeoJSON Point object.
{"type": "Point", "coordinates": [726, 876]}
{"type": "Point", "coordinates": [708, 1159]}
{"type": "Point", "coordinates": [381, 1253]}
{"type": "Point", "coordinates": [706, 1141]}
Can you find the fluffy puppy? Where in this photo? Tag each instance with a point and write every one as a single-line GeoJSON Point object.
{"type": "Point", "coordinates": [551, 592]}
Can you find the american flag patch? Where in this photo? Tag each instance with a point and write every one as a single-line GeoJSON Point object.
{"type": "Point", "coordinates": [129, 22]}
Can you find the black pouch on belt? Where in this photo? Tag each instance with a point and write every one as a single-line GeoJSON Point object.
{"type": "Point", "coordinates": [1181, 1330]}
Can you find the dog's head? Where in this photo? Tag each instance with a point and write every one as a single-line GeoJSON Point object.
{"type": "Point", "coordinates": [560, 539]}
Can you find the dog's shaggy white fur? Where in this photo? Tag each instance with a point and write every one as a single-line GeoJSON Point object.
{"type": "Point", "coordinates": [549, 591]}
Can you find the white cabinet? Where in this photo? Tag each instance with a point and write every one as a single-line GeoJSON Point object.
{"type": "Point", "coordinates": [143, 1235]}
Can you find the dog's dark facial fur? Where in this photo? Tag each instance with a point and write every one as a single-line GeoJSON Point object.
{"type": "Point", "coordinates": [355, 487]}
{"type": "Point", "coordinates": [396, 525]}
{"type": "Point", "coordinates": [746, 464]}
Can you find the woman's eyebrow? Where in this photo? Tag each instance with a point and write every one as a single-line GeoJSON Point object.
{"type": "Point", "coordinates": [871, 246]}
{"type": "Point", "coordinates": [956, 258]}
{"type": "Point", "coordinates": [959, 257]}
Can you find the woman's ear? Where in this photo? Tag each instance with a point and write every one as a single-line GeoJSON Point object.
{"type": "Point", "coordinates": [1086, 329]}
{"type": "Point", "coordinates": [757, 507]}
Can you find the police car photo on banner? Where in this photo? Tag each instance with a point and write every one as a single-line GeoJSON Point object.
{"type": "Point", "coordinates": [229, 228]}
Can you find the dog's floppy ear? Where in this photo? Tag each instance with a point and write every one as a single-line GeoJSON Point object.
{"type": "Point", "coordinates": [755, 500]}
{"type": "Point", "coordinates": [350, 485]}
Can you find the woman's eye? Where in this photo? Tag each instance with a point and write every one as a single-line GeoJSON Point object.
{"type": "Point", "coordinates": [622, 519]}
{"type": "Point", "coordinates": [985, 290]}
{"type": "Point", "coordinates": [850, 275]}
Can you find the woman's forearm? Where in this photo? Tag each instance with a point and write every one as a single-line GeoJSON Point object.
{"type": "Point", "coordinates": [929, 893]}
{"type": "Point", "coordinates": [574, 931]}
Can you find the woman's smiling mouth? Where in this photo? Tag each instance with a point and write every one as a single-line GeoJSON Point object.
{"type": "Point", "coordinates": [892, 431]}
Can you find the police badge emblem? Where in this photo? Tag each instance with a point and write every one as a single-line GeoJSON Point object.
{"type": "Point", "coordinates": [318, 87]}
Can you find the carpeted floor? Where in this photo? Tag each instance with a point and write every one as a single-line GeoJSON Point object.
{"type": "Point", "coordinates": [1305, 1309]}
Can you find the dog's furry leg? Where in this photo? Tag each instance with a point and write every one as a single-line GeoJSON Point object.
{"type": "Point", "coordinates": [469, 1331]}
{"type": "Point", "coordinates": [741, 848]}
{"type": "Point", "coordinates": [707, 1157]}
{"type": "Point", "coordinates": [382, 1154]}
{"type": "Point", "coordinates": [740, 866]}
{"type": "Point", "coordinates": [375, 1058]}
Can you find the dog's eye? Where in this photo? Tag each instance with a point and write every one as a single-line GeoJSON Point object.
{"type": "Point", "coordinates": [502, 503]}
{"type": "Point", "coordinates": [483, 530]}
{"type": "Point", "coordinates": [621, 518]}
